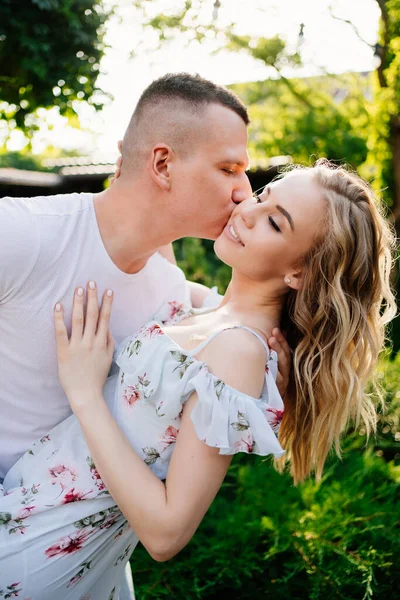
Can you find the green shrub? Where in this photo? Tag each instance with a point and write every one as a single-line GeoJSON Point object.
{"type": "Point", "coordinates": [265, 538]}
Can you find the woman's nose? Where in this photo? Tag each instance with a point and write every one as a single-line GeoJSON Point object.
{"type": "Point", "coordinates": [248, 212]}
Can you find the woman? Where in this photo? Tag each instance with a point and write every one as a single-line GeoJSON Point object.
{"type": "Point", "coordinates": [310, 254]}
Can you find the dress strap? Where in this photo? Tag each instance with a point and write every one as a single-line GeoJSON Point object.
{"type": "Point", "coordinates": [200, 347]}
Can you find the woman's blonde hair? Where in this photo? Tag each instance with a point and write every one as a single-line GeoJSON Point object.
{"type": "Point", "coordinates": [336, 322]}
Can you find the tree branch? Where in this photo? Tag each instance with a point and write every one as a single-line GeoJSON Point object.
{"type": "Point", "coordinates": [292, 88]}
{"type": "Point", "coordinates": [354, 28]}
{"type": "Point", "coordinates": [383, 49]}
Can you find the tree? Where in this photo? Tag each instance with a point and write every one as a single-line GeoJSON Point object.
{"type": "Point", "coordinates": [300, 117]}
{"type": "Point", "coordinates": [49, 55]}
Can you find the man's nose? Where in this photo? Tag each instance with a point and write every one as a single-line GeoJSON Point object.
{"type": "Point", "coordinates": [242, 191]}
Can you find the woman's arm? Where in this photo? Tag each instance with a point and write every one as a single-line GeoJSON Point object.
{"type": "Point", "coordinates": [164, 517]}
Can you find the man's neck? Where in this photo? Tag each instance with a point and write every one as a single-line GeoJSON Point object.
{"type": "Point", "coordinates": [130, 226]}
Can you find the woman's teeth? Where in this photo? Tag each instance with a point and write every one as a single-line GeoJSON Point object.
{"type": "Point", "coordinates": [235, 235]}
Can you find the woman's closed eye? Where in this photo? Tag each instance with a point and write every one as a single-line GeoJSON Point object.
{"type": "Point", "coordinates": [274, 224]}
{"type": "Point", "coordinates": [270, 219]}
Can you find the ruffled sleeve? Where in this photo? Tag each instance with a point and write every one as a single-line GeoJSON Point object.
{"type": "Point", "coordinates": [158, 377]}
{"type": "Point", "coordinates": [227, 419]}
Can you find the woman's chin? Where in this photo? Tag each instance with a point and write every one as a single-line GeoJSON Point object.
{"type": "Point", "coordinates": [221, 250]}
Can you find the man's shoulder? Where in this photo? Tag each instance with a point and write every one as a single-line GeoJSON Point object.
{"type": "Point", "coordinates": [54, 205]}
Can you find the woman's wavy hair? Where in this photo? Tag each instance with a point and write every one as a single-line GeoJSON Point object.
{"type": "Point", "coordinates": [335, 324]}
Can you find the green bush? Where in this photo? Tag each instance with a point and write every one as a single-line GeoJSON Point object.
{"type": "Point", "coordinates": [265, 538]}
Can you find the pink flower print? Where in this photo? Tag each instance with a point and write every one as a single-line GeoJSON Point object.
{"type": "Point", "coordinates": [176, 309]}
{"type": "Point", "coordinates": [95, 474]}
{"type": "Point", "coordinates": [109, 521]}
{"type": "Point", "coordinates": [152, 331]}
{"type": "Point", "coordinates": [68, 544]}
{"type": "Point", "coordinates": [169, 437]}
{"type": "Point", "coordinates": [245, 444]}
{"type": "Point", "coordinates": [131, 395]}
{"type": "Point", "coordinates": [74, 496]}
{"type": "Point", "coordinates": [274, 417]}
{"type": "Point", "coordinates": [26, 511]}
{"type": "Point", "coordinates": [86, 596]}
{"type": "Point", "coordinates": [63, 475]}
{"type": "Point", "coordinates": [74, 579]}
{"type": "Point", "coordinates": [45, 438]}
{"type": "Point", "coordinates": [84, 567]}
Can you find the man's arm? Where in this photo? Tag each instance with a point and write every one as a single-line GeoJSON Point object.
{"type": "Point", "coordinates": [168, 253]}
{"type": "Point", "coordinates": [198, 291]}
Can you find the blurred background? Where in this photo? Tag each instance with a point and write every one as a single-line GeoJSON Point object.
{"type": "Point", "coordinates": [321, 78]}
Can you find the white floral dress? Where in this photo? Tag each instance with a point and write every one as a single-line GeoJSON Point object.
{"type": "Point", "coordinates": [61, 534]}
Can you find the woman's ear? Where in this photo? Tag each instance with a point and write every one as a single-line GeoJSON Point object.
{"type": "Point", "coordinates": [294, 280]}
{"type": "Point", "coordinates": [161, 156]}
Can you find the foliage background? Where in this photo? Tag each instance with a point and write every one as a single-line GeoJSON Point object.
{"type": "Point", "coordinates": [265, 538]}
{"type": "Point", "coordinates": [262, 537]}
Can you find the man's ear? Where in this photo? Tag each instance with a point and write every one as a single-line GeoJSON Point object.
{"type": "Point", "coordinates": [161, 156]}
{"type": "Point", "coordinates": [294, 280]}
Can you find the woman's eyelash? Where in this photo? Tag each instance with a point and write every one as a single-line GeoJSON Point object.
{"type": "Point", "coordinates": [274, 225]}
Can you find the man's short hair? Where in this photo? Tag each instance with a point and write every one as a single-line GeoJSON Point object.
{"type": "Point", "coordinates": [170, 110]}
{"type": "Point", "coordinates": [192, 89]}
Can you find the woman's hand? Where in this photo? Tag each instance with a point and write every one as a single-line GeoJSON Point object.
{"type": "Point", "coordinates": [84, 359]}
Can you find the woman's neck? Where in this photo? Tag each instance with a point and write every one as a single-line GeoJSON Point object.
{"type": "Point", "coordinates": [255, 304]}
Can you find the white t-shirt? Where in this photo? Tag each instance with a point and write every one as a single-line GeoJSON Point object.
{"type": "Point", "coordinates": [48, 246]}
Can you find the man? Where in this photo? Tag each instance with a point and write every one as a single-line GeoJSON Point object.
{"type": "Point", "coordinates": [184, 169]}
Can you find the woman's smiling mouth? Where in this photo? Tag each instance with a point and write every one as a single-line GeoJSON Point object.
{"type": "Point", "coordinates": [231, 233]}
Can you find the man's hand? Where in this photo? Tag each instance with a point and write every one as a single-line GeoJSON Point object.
{"type": "Point", "coordinates": [118, 164]}
{"type": "Point", "coordinates": [278, 343]}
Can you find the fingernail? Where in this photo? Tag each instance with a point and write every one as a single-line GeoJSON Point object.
{"type": "Point", "coordinates": [80, 292]}
{"type": "Point", "coordinates": [58, 307]}
{"type": "Point", "coordinates": [109, 293]}
{"type": "Point", "coordinates": [92, 285]}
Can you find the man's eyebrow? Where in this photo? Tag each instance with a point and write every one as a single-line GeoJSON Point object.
{"type": "Point", "coordinates": [287, 215]}
{"type": "Point", "coordinates": [238, 163]}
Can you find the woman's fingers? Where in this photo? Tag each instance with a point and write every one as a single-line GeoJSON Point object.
{"type": "Point", "coordinates": [90, 326]}
{"type": "Point", "coordinates": [92, 312]}
{"type": "Point", "coordinates": [104, 318]}
{"type": "Point", "coordinates": [61, 330]}
{"type": "Point", "coordinates": [77, 315]}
